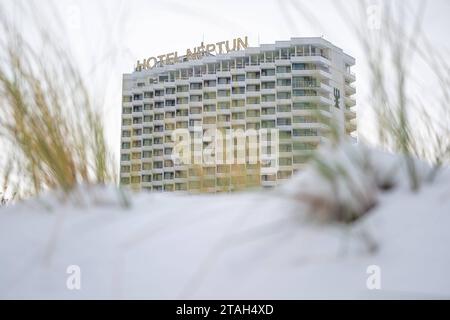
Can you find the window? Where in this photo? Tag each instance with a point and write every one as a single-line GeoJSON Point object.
{"type": "Point", "coordinates": [267, 97]}
{"type": "Point", "coordinates": [183, 88]}
{"type": "Point", "coordinates": [125, 169]}
{"type": "Point", "coordinates": [223, 80]}
{"type": "Point", "coordinates": [159, 104]}
{"type": "Point", "coordinates": [137, 120]}
{"type": "Point", "coordinates": [283, 134]}
{"type": "Point", "coordinates": [194, 110]}
{"type": "Point", "coordinates": [252, 113]}
{"type": "Point", "coordinates": [283, 95]}
{"type": "Point", "coordinates": [180, 174]}
{"type": "Point", "coordinates": [265, 124]}
{"type": "Point", "coordinates": [299, 159]}
{"type": "Point", "coordinates": [268, 85]}
{"type": "Point", "coordinates": [136, 156]}
{"type": "Point", "coordinates": [303, 92]}
{"type": "Point", "coordinates": [267, 72]}
{"type": "Point", "coordinates": [304, 146]}
{"type": "Point", "coordinates": [209, 83]}
{"type": "Point", "coordinates": [284, 121]}
{"type": "Point", "coordinates": [148, 130]}
{"type": "Point", "coordinates": [158, 165]}
{"type": "Point", "coordinates": [170, 114]}
{"type": "Point", "coordinates": [223, 93]}
{"type": "Point", "coordinates": [146, 154]}
{"type": "Point", "coordinates": [125, 157]}
{"type": "Point", "coordinates": [182, 125]}
{"type": "Point", "coordinates": [135, 179]}
{"type": "Point", "coordinates": [253, 75]}
{"type": "Point", "coordinates": [146, 166]}
{"type": "Point", "coordinates": [146, 178]}
{"type": "Point", "coordinates": [196, 98]}
{"type": "Point", "coordinates": [196, 86]}
{"type": "Point", "coordinates": [304, 106]}
{"type": "Point", "coordinates": [238, 77]}
{"type": "Point", "coordinates": [238, 103]}
{"type": "Point", "coordinates": [125, 180]}
{"type": "Point", "coordinates": [304, 132]}
{"type": "Point", "coordinates": [284, 108]}
{"type": "Point", "coordinates": [266, 111]}
{"type": "Point", "coordinates": [223, 105]}
{"type": "Point", "coordinates": [283, 82]}
{"type": "Point", "coordinates": [284, 174]}
{"type": "Point", "coordinates": [136, 167]}
{"type": "Point", "coordinates": [183, 100]}
{"type": "Point", "coordinates": [169, 126]}
{"type": "Point", "coordinates": [223, 118]}
{"type": "Point", "coordinates": [238, 90]}
{"type": "Point", "coordinates": [285, 148]}
{"type": "Point", "coordinates": [195, 122]}
{"type": "Point", "coordinates": [209, 120]}
{"type": "Point", "coordinates": [285, 161]}
{"type": "Point", "coordinates": [148, 106]}
{"type": "Point", "coordinates": [168, 151]}
{"type": "Point", "coordinates": [304, 82]}
{"type": "Point", "coordinates": [253, 88]}
{"type": "Point", "coordinates": [184, 112]}
{"type": "Point", "coordinates": [209, 95]}
{"type": "Point", "coordinates": [283, 69]}
{"type": "Point", "coordinates": [238, 115]}
{"type": "Point", "coordinates": [304, 119]}
{"type": "Point", "coordinates": [170, 103]}
{"type": "Point", "coordinates": [253, 100]}
{"type": "Point", "coordinates": [181, 186]}
{"type": "Point", "coordinates": [209, 108]}
{"type": "Point", "coordinates": [168, 175]}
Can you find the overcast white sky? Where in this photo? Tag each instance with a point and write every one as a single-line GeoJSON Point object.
{"type": "Point", "coordinates": [108, 36]}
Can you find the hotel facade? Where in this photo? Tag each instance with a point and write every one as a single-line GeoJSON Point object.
{"type": "Point", "coordinates": [295, 91]}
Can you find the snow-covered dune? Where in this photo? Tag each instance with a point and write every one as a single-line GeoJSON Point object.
{"type": "Point", "coordinates": [258, 245]}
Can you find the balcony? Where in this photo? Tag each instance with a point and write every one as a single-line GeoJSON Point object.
{"type": "Point", "coordinates": [314, 58]}
{"type": "Point", "coordinates": [350, 125]}
{"type": "Point", "coordinates": [349, 113]}
{"type": "Point", "coordinates": [312, 98]}
{"type": "Point", "coordinates": [349, 89]}
{"type": "Point", "coordinates": [318, 73]}
{"type": "Point", "coordinates": [349, 76]}
{"type": "Point", "coordinates": [349, 102]}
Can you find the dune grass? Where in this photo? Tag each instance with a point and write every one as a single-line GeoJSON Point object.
{"type": "Point", "coordinates": [53, 134]}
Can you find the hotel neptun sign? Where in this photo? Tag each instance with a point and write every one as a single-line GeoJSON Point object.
{"type": "Point", "coordinates": [221, 47]}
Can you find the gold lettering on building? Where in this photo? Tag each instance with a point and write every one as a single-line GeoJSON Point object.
{"type": "Point", "coordinates": [194, 53]}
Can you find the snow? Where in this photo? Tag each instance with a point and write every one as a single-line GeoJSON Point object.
{"type": "Point", "coordinates": [251, 245]}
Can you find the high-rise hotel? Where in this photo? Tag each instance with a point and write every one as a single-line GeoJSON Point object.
{"type": "Point", "coordinates": [301, 88]}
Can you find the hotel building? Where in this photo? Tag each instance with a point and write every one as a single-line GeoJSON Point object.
{"type": "Point", "coordinates": [301, 87]}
